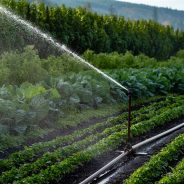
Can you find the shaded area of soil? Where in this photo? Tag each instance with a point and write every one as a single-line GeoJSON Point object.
{"type": "Point", "coordinates": [127, 168]}
{"type": "Point", "coordinates": [64, 132]}
{"type": "Point", "coordinates": [97, 163]}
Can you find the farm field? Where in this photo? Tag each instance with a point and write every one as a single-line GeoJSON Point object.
{"type": "Point", "coordinates": [50, 102]}
{"type": "Point", "coordinates": [164, 167]}
{"type": "Point", "coordinates": [64, 116]}
{"type": "Point", "coordinates": [67, 154]}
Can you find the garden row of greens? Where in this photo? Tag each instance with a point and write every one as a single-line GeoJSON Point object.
{"type": "Point", "coordinates": [37, 89]}
{"type": "Point", "coordinates": [148, 82]}
{"type": "Point", "coordinates": [75, 119]}
{"type": "Point", "coordinates": [59, 170]}
{"type": "Point", "coordinates": [29, 154]}
{"type": "Point", "coordinates": [95, 32]}
{"type": "Point", "coordinates": [53, 167]}
{"type": "Point", "coordinates": [175, 176]}
{"type": "Point", "coordinates": [160, 164]}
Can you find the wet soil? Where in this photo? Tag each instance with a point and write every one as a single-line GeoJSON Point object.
{"type": "Point", "coordinates": [97, 163]}
{"type": "Point", "coordinates": [127, 167]}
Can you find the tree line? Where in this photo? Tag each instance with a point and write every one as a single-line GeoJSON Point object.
{"type": "Point", "coordinates": [81, 29]}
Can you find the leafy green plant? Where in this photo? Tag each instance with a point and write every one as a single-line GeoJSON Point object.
{"type": "Point", "coordinates": [29, 154]}
{"type": "Point", "coordinates": [175, 176]}
{"type": "Point", "coordinates": [58, 171]}
{"type": "Point", "coordinates": [23, 67]}
{"type": "Point", "coordinates": [114, 139]}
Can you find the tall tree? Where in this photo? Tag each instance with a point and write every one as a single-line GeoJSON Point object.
{"type": "Point", "coordinates": [81, 30]}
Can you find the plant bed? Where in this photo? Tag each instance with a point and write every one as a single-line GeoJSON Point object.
{"type": "Point", "coordinates": [127, 167]}
{"type": "Point", "coordinates": [159, 164]}
{"type": "Point", "coordinates": [175, 176]}
{"type": "Point", "coordinates": [97, 163]}
{"type": "Point", "coordinates": [104, 146]}
{"type": "Point", "coordinates": [29, 154]}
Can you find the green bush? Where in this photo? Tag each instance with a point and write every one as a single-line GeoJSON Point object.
{"type": "Point", "coordinates": [22, 67]}
{"type": "Point", "coordinates": [116, 60]}
{"type": "Point", "coordinates": [62, 65]}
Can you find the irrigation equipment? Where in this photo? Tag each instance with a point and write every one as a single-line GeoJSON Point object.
{"type": "Point", "coordinates": [127, 153]}
{"type": "Point", "coordinates": [129, 115]}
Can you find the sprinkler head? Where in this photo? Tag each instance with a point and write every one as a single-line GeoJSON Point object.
{"type": "Point", "coordinates": [63, 47]}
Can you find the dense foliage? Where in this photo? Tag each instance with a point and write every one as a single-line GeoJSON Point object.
{"type": "Point", "coordinates": [82, 30]}
{"type": "Point", "coordinates": [115, 60]}
{"type": "Point", "coordinates": [35, 92]}
{"type": "Point", "coordinates": [148, 82]}
{"type": "Point", "coordinates": [175, 176]}
{"type": "Point", "coordinates": [145, 76]}
{"type": "Point", "coordinates": [135, 11]}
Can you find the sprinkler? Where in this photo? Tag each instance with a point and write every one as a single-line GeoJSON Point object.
{"type": "Point", "coordinates": [129, 115]}
{"type": "Point", "coordinates": [128, 147]}
{"type": "Point", "coordinates": [62, 48]}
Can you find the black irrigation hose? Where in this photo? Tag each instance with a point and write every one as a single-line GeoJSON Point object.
{"type": "Point", "coordinates": [133, 149]}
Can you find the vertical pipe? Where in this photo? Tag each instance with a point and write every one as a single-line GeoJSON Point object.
{"type": "Point", "coordinates": [129, 115]}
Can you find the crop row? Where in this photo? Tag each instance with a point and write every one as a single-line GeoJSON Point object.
{"type": "Point", "coordinates": [59, 170]}
{"type": "Point", "coordinates": [29, 154]}
{"type": "Point", "coordinates": [59, 154]}
{"type": "Point", "coordinates": [159, 163]}
{"type": "Point", "coordinates": [176, 176]}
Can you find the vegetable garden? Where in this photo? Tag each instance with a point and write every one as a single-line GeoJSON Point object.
{"type": "Point", "coordinates": [159, 168]}
{"type": "Point", "coordinates": [59, 117]}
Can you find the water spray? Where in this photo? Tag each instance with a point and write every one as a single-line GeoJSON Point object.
{"type": "Point", "coordinates": [59, 46]}
{"type": "Point", "coordinates": [62, 47]}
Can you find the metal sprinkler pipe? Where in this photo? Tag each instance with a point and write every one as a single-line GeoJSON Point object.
{"type": "Point", "coordinates": [127, 153]}
{"type": "Point", "coordinates": [129, 115]}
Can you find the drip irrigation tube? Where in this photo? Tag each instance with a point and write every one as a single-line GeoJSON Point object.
{"type": "Point", "coordinates": [134, 148]}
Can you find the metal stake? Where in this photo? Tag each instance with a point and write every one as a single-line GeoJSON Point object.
{"type": "Point", "coordinates": [129, 115]}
